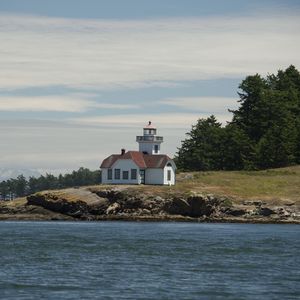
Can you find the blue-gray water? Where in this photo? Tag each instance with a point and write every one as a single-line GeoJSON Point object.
{"type": "Point", "coordinates": [126, 260]}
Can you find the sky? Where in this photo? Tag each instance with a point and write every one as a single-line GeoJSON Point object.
{"type": "Point", "coordinates": [80, 78]}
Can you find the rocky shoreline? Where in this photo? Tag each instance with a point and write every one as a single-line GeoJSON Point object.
{"type": "Point", "coordinates": [102, 203]}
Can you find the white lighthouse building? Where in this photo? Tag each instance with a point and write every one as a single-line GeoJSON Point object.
{"type": "Point", "coordinates": [149, 142]}
{"type": "Point", "coordinates": [146, 166]}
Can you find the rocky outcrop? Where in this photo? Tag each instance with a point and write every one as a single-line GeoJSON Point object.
{"type": "Point", "coordinates": [70, 203]}
{"type": "Point", "coordinates": [127, 203]}
{"type": "Point", "coordinates": [20, 210]}
{"type": "Point", "coordinates": [96, 204]}
{"type": "Point", "coordinates": [196, 205]}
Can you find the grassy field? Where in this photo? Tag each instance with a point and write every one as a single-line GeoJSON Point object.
{"type": "Point", "coordinates": [274, 185]}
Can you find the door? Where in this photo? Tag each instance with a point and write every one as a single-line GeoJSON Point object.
{"type": "Point", "coordinates": [142, 175]}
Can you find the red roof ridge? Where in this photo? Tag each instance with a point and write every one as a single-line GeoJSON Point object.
{"type": "Point", "coordinates": [139, 158]}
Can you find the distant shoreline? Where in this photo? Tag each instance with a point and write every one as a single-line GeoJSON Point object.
{"type": "Point", "coordinates": [155, 220]}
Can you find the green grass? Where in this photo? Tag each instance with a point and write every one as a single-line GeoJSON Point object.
{"type": "Point", "coordinates": [275, 185]}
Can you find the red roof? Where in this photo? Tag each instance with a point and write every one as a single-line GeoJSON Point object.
{"type": "Point", "coordinates": [142, 160]}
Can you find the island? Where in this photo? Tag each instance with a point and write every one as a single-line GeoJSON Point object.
{"type": "Point", "coordinates": [267, 196]}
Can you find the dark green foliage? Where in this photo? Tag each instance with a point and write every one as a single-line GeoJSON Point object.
{"type": "Point", "coordinates": [237, 150]}
{"type": "Point", "coordinates": [20, 186]}
{"type": "Point", "coordinates": [297, 152]}
{"type": "Point", "coordinates": [264, 131]}
{"type": "Point", "coordinates": [200, 150]}
{"type": "Point", "coordinates": [4, 190]}
{"type": "Point", "coordinates": [252, 107]}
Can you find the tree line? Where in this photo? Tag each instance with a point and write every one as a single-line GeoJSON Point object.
{"type": "Point", "coordinates": [20, 187]}
{"type": "Point", "coordinates": [264, 131]}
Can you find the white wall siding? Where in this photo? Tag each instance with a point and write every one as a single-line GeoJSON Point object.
{"type": "Point", "coordinates": [160, 176]}
{"type": "Point", "coordinates": [154, 176]}
{"type": "Point", "coordinates": [165, 171]}
{"type": "Point", "coordinates": [123, 165]}
{"type": "Point", "coordinates": [104, 176]}
{"type": "Point", "coordinates": [149, 147]}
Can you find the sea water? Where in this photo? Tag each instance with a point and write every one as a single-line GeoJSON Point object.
{"type": "Point", "coordinates": [127, 260]}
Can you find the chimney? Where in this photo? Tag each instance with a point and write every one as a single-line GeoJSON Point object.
{"type": "Point", "coordinates": [123, 151]}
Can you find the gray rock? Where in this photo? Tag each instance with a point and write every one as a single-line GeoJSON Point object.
{"type": "Point", "coordinates": [256, 203]}
{"type": "Point", "coordinates": [265, 211]}
{"type": "Point", "coordinates": [200, 205]}
{"type": "Point", "coordinates": [210, 197]}
{"type": "Point", "coordinates": [195, 205]}
{"type": "Point", "coordinates": [146, 211]}
{"type": "Point", "coordinates": [283, 212]}
{"type": "Point", "coordinates": [291, 203]}
{"type": "Point", "coordinates": [178, 206]}
{"type": "Point", "coordinates": [113, 208]}
{"type": "Point", "coordinates": [158, 199]}
{"type": "Point", "coordinates": [236, 212]}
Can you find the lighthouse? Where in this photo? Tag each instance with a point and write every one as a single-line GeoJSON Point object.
{"type": "Point", "coordinates": [149, 142]}
{"type": "Point", "coordinates": [146, 166]}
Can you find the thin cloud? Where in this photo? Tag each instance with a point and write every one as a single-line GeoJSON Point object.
{"type": "Point", "coordinates": [42, 51]}
{"type": "Point", "coordinates": [55, 104]}
{"type": "Point", "coordinates": [204, 104]}
{"type": "Point", "coordinates": [166, 120]}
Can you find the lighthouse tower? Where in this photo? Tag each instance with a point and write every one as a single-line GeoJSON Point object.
{"type": "Point", "coordinates": [149, 142]}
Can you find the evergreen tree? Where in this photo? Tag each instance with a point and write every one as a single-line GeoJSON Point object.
{"type": "Point", "coordinates": [4, 190]}
{"type": "Point", "coordinates": [33, 185]}
{"type": "Point", "coordinates": [269, 115]}
{"type": "Point", "coordinates": [252, 109]}
{"type": "Point", "coordinates": [200, 151]}
{"type": "Point", "coordinates": [264, 131]}
{"type": "Point", "coordinates": [20, 186]}
{"type": "Point", "coordinates": [237, 150]}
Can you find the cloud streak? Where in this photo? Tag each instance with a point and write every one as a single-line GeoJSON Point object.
{"type": "Point", "coordinates": [205, 104]}
{"type": "Point", "coordinates": [62, 103]}
{"type": "Point", "coordinates": [43, 51]}
{"type": "Point", "coordinates": [165, 120]}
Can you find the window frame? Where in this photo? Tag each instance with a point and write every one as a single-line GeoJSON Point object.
{"type": "Point", "coordinates": [124, 177]}
{"type": "Point", "coordinates": [132, 172]}
{"type": "Point", "coordinates": [117, 172]}
{"type": "Point", "coordinates": [169, 175]}
{"type": "Point", "coordinates": [109, 174]}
